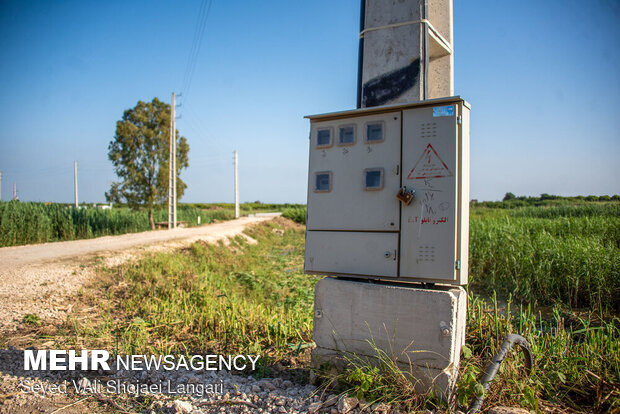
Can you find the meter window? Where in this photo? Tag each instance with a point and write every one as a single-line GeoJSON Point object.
{"type": "Point", "coordinates": [346, 135]}
{"type": "Point", "coordinates": [374, 132]}
{"type": "Point", "coordinates": [323, 182]}
{"type": "Point", "coordinates": [373, 179]}
{"type": "Point", "coordinates": [324, 138]}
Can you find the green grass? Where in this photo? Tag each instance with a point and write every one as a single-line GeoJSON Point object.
{"type": "Point", "coordinates": [254, 298]}
{"type": "Point", "coordinates": [212, 297]}
{"type": "Point", "coordinates": [255, 207]}
{"type": "Point", "coordinates": [576, 358]}
{"type": "Point", "coordinates": [297, 214]}
{"type": "Point", "coordinates": [26, 223]}
{"type": "Point", "coordinates": [548, 255]}
{"type": "Point", "coordinates": [510, 201]}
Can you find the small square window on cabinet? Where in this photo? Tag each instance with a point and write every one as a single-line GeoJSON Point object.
{"type": "Point", "coordinates": [323, 137]}
{"type": "Point", "coordinates": [373, 179]}
{"type": "Point", "coordinates": [374, 132]}
{"type": "Point", "coordinates": [323, 182]}
{"type": "Point", "coordinates": [346, 135]}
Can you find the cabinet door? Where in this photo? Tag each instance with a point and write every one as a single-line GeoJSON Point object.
{"type": "Point", "coordinates": [354, 173]}
{"type": "Point", "coordinates": [351, 253]}
{"type": "Point", "coordinates": [430, 166]}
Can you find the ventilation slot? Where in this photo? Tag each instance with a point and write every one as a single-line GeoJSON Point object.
{"type": "Point", "coordinates": [426, 254]}
{"type": "Point", "coordinates": [428, 130]}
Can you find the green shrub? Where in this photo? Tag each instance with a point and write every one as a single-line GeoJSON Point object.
{"type": "Point", "coordinates": [297, 214]}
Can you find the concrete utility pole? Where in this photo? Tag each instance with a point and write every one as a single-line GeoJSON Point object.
{"type": "Point", "coordinates": [170, 174]}
{"type": "Point", "coordinates": [393, 33]}
{"type": "Point", "coordinates": [174, 161]}
{"type": "Point", "coordinates": [236, 185]}
{"type": "Point", "coordinates": [75, 190]}
{"type": "Point", "coordinates": [14, 191]}
{"type": "Point", "coordinates": [172, 185]}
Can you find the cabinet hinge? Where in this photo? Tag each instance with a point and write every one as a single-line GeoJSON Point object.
{"type": "Point", "coordinates": [458, 265]}
{"type": "Point", "coordinates": [459, 119]}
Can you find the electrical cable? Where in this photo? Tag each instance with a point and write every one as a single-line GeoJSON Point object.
{"type": "Point", "coordinates": [201, 24]}
{"type": "Point", "coordinates": [493, 367]}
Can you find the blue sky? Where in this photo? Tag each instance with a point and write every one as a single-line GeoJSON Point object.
{"type": "Point", "coordinates": [541, 78]}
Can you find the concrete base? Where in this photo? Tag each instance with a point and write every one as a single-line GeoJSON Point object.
{"type": "Point", "coordinates": [422, 330]}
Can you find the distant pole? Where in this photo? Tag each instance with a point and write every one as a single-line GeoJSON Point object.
{"type": "Point", "coordinates": [174, 164]}
{"type": "Point", "coordinates": [14, 191]}
{"type": "Point", "coordinates": [75, 190]}
{"type": "Point", "coordinates": [236, 185]}
{"type": "Point", "coordinates": [0, 185]}
{"type": "Point", "coordinates": [170, 170]}
{"type": "Point", "coordinates": [172, 167]}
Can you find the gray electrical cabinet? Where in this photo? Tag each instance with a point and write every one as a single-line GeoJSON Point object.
{"type": "Point", "coordinates": [388, 192]}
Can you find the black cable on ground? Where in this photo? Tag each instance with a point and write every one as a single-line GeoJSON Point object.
{"type": "Point", "coordinates": [493, 367]}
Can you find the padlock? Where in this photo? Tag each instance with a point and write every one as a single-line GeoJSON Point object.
{"type": "Point", "coordinates": [406, 195]}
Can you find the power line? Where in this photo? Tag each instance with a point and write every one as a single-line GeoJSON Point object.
{"type": "Point", "coordinates": [201, 24]}
{"type": "Point", "coordinates": [202, 134]}
{"type": "Point", "coordinates": [193, 45]}
{"type": "Point", "coordinates": [201, 30]}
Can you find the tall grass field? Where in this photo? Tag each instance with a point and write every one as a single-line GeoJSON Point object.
{"type": "Point", "coordinates": [568, 254]}
{"type": "Point", "coordinates": [25, 223]}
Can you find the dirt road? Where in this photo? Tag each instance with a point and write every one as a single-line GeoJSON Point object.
{"type": "Point", "coordinates": [11, 257]}
{"type": "Point", "coordinates": [37, 279]}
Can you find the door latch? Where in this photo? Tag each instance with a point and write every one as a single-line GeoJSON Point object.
{"type": "Point", "coordinates": [406, 195]}
{"type": "Point", "coordinates": [390, 254]}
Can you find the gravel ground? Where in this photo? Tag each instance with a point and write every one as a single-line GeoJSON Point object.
{"type": "Point", "coordinates": [202, 392]}
{"type": "Point", "coordinates": [40, 279]}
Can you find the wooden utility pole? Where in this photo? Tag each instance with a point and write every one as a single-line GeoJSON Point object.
{"type": "Point", "coordinates": [236, 185]}
{"type": "Point", "coordinates": [172, 163]}
{"type": "Point", "coordinates": [0, 185]}
{"type": "Point", "coordinates": [14, 191]}
{"type": "Point", "coordinates": [75, 189]}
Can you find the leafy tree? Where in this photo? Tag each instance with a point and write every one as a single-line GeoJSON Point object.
{"type": "Point", "coordinates": [509, 196]}
{"type": "Point", "coordinates": [140, 154]}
